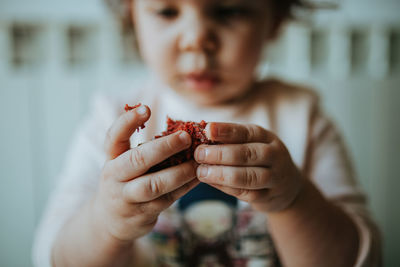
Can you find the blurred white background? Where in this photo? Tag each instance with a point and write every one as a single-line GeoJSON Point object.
{"type": "Point", "coordinates": [54, 54]}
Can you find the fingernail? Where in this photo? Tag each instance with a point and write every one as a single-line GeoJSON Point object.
{"type": "Point", "coordinates": [142, 110]}
{"type": "Point", "coordinates": [185, 138]}
{"type": "Point", "coordinates": [201, 154]}
{"type": "Point", "coordinates": [202, 171]}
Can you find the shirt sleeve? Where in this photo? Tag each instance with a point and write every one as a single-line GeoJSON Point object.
{"type": "Point", "coordinates": [329, 167]}
{"type": "Point", "coordinates": [77, 181]}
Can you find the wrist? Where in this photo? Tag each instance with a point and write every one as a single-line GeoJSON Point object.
{"type": "Point", "coordinates": [113, 250]}
{"type": "Point", "coordinates": [298, 191]}
{"type": "Point", "coordinates": [97, 225]}
{"type": "Point", "coordinates": [290, 197]}
{"type": "Point", "coordinates": [307, 202]}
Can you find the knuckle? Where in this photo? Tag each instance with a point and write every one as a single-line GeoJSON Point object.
{"type": "Point", "coordinates": [253, 153]}
{"type": "Point", "coordinates": [250, 154]}
{"type": "Point", "coordinates": [155, 186]}
{"type": "Point", "coordinates": [251, 177]}
{"type": "Point", "coordinates": [171, 143]}
{"type": "Point", "coordinates": [136, 157]}
{"type": "Point", "coordinates": [221, 173]}
{"type": "Point", "coordinates": [220, 154]}
{"type": "Point", "coordinates": [250, 133]}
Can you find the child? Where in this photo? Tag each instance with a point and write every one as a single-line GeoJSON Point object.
{"type": "Point", "coordinates": [278, 190]}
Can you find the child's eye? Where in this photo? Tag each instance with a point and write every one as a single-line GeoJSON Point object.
{"type": "Point", "coordinates": [227, 12]}
{"type": "Point", "coordinates": [168, 13]}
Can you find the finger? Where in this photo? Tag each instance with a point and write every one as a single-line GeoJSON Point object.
{"type": "Point", "coordinates": [243, 194]}
{"type": "Point", "coordinates": [154, 185]}
{"type": "Point", "coordinates": [238, 133]}
{"type": "Point", "coordinates": [235, 177]}
{"type": "Point", "coordinates": [158, 205]}
{"type": "Point", "coordinates": [139, 160]}
{"type": "Point", "coordinates": [117, 139]}
{"type": "Point", "coordinates": [250, 154]}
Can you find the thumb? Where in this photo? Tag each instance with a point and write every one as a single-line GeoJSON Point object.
{"type": "Point", "coordinates": [117, 139]}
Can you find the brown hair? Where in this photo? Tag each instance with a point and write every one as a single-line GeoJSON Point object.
{"type": "Point", "coordinates": [283, 12]}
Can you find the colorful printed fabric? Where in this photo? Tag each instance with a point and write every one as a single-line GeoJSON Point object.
{"type": "Point", "coordinates": [213, 233]}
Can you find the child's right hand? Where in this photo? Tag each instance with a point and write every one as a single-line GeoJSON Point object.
{"type": "Point", "coordinates": [128, 200]}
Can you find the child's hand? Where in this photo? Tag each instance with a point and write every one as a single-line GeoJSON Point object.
{"type": "Point", "coordinates": [128, 200]}
{"type": "Point", "coordinates": [252, 165]}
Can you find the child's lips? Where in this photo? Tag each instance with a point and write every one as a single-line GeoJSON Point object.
{"type": "Point", "coordinates": [201, 81]}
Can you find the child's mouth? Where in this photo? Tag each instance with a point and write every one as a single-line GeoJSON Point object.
{"type": "Point", "coordinates": [201, 81]}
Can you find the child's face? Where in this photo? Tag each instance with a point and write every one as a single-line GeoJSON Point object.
{"type": "Point", "coordinates": [206, 50]}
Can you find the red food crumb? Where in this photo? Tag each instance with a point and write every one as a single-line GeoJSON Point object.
{"type": "Point", "coordinates": [195, 130]}
{"type": "Point", "coordinates": [127, 108]}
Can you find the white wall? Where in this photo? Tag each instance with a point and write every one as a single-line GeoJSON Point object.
{"type": "Point", "coordinates": [351, 56]}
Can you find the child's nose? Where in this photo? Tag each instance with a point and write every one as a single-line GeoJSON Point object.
{"type": "Point", "coordinates": [198, 35]}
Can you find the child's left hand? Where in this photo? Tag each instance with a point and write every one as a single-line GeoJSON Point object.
{"type": "Point", "coordinates": [252, 165]}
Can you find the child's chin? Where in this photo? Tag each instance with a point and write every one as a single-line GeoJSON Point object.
{"type": "Point", "coordinates": [205, 100]}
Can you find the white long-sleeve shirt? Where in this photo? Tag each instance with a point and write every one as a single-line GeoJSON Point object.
{"type": "Point", "coordinates": [292, 113]}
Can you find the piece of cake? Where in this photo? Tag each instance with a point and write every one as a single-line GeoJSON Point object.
{"type": "Point", "coordinates": [194, 129]}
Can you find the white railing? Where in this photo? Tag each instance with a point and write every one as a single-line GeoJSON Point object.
{"type": "Point", "coordinates": [49, 69]}
{"type": "Point", "coordinates": [336, 50]}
